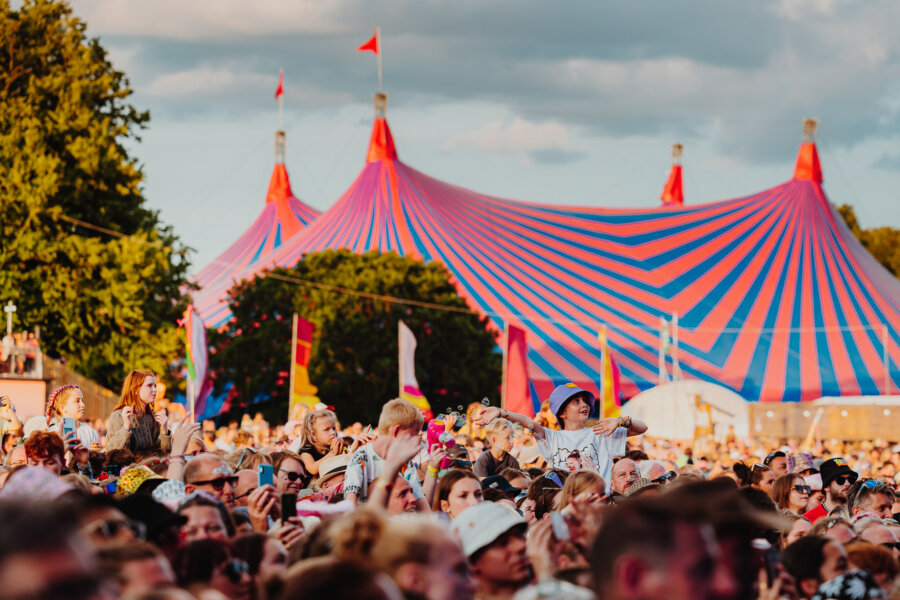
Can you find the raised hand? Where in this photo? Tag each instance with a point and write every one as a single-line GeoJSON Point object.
{"type": "Point", "coordinates": [290, 533]}
{"type": "Point", "coordinates": [182, 434]}
{"type": "Point", "coordinates": [402, 449]}
{"type": "Point", "coordinates": [438, 453]}
{"type": "Point", "coordinates": [7, 410]}
{"type": "Point", "coordinates": [260, 503]}
{"type": "Point", "coordinates": [127, 415]}
{"type": "Point", "coordinates": [606, 426]}
{"type": "Point", "coordinates": [483, 416]}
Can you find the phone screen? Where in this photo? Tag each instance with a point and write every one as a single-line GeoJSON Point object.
{"type": "Point", "coordinates": [266, 475]}
{"type": "Point", "coordinates": [288, 506]}
{"type": "Point", "coordinates": [68, 425]}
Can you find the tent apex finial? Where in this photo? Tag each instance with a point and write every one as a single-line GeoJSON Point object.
{"type": "Point", "coordinates": [809, 130]}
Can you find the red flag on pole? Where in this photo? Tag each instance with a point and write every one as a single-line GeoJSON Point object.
{"type": "Point", "coordinates": [371, 46]}
{"type": "Point", "coordinates": [516, 390]}
{"type": "Point", "coordinates": [280, 91]}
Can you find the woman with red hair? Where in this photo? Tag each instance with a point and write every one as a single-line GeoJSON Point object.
{"type": "Point", "coordinates": [133, 424]}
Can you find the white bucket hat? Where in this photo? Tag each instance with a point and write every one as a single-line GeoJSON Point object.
{"type": "Point", "coordinates": [478, 526]}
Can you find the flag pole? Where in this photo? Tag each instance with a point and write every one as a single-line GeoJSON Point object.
{"type": "Point", "coordinates": [505, 367]}
{"type": "Point", "coordinates": [281, 101]}
{"type": "Point", "coordinates": [399, 357]}
{"type": "Point", "coordinates": [378, 56]}
{"type": "Point", "coordinates": [191, 399]}
{"type": "Point", "coordinates": [294, 324]}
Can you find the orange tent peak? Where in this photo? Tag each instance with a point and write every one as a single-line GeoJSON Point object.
{"type": "Point", "coordinates": [279, 185]}
{"type": "Point", "coordinates": [808, 166]}
{"type": "Point", "coordinates": [381, 146]}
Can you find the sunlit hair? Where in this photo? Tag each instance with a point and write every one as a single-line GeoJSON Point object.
{"type": "Point", "coordinates": [750, 475]}
{"type": "Point", "coordinates": [131, 392]}
{"type": "Point", "coordinates": [44, 445]}
{"type": "Point", "coordinates": [58, 398]}
{"type": "Point", "coordinates": [578, 482]}
{"type": "Point", "coordinates": [399, 412]}
{"type": "Point", "coordinates": [307, 433]}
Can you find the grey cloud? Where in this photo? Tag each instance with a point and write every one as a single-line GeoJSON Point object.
{"type": "Point", "coordinates": [750, 74]}
{"type": "Point", "coordinates": [888, 162]}
{"type": "Point", "coordinates": [555, 157]}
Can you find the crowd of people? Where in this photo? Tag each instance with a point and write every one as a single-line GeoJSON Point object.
{"type": "Point", "coordinates": [20, 353]}
{"type": "Point", "coordinates": [478, 503]}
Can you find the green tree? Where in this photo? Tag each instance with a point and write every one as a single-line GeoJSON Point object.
{"type": "Point", "coordinates": [107, 303]}
{"type": "Point", "coordinates": [883, 243]}
{"type": "Point", "coordinates": [354, 353]}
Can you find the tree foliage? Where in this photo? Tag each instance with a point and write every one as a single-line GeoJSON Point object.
{"type": "Point", "coordinates": [107, 303]}
{"type": "Point", "coordinates": [883, 243]}
{"type": "Point", "coordinates": [354, 354]}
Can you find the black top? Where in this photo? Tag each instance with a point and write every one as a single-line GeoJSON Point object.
{"type": "Point", "coordinates": [487, 465]}
{"type": "Point", "coordinates": [310, 449]}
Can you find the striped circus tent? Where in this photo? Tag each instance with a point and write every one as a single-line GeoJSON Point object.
{"type": "Point", "coordinates": [768, 294]}
{"type": "Point", "coordinates": [282, 218]}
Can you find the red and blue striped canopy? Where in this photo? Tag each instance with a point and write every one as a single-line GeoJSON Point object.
{"type": "Point", "coordinates": [280, 221]}
{"type": "Point", "coordinates": [775, 297]}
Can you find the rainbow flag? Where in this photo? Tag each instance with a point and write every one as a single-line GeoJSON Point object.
{"type": "Point", "coordinates": [610, 403]}
{"type": "Point", "coordinates": [197, 358]}
{"type": "Point", "coordinates": [409, 385]}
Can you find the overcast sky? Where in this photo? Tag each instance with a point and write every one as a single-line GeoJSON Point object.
{"type": "Point", "coordinates": [557, 102]}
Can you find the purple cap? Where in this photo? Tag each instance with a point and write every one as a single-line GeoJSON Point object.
{"type": "Point", "coordinates": [563, 393]}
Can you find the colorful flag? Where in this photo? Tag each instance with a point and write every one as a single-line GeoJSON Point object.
{"type": "Point", "coordinates": [610, 403]}
{"type": "Point", "coordinates": [197, 358]}
{"type": "Point", "coordinates": [302, 391]}
{"type": "Point", "coordinates": [516, 394]}
{"type": "Point", "coordinates": [280, 91]}
{"type": "Point", "coordinates": [409, 385]}
{"type": "Point", "coordinates": [371, 46]}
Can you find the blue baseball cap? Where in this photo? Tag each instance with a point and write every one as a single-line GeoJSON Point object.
{"type": "Point", "coordinates": [565, 392]}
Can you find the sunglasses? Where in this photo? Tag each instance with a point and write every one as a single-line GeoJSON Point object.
{"type": "Point", "coordinates": [873, 484]}
{"type": "Point", "coordinates": [292, 476]}
{"type": "Point", "coordinates": [218, 484]}
{"type": "Point", "coordinates": [842, 479]}
{"type": "Point", "coordinates": [661, 480]}
{"type": "Point", "coordinates": [891, 545]}
{"type": "Point", "coordinates": [460, 463]}
{"type": "Point", "coordinates": [803, 489]}
{"type": "Point", "coordinates": [111, 529]}
{"type": "Point", "coordinates": [234, 569]}
{"type": "Point", "coordinates": [244, 455]}
{"type": "Point", "coordinates": [550, 475]}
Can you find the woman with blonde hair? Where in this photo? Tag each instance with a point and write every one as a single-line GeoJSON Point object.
{"type": "Point", "coordinates": [68, 401]}
{"type": "Point", "coordinates": [582, 484]}
{"type": "Point", "coordinates": [133, 424]}
{"type": "Point", "coordinates": [416, 551]}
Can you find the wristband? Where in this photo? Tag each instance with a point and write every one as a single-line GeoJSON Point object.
{"type": "Point", "coordinates": [433, 472]}
{"type": "Point", "coordinates": [177, 457]}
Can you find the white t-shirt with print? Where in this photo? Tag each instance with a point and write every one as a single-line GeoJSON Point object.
{"type": "Point", "coordinates": [556, 446]}
{"type": "Point", "coordinates": [365, 465]}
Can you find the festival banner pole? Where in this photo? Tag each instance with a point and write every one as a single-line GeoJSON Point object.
{"type": "Point", "coordinates": [294, 322]}
{"type": "Point", "coordinates": [378, 57]}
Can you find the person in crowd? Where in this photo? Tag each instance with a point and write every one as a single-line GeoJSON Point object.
{"type": "Point", "coordinates": [650, 548]}
{"type": "Point", "coordinates": [499, 434]}
{"type": "Point", "coordinates": [393, 491]}
{"type": "Point", "coordinates": [835, 528]}
{"type": "Point", "coordinates": [837, 478]}
{"type": "Point", "coordinates": [320, 439]}
{"type": "Point", "coordinates": [457, 490]}
{"type": "Point", "coordinates": [265, 555]}
{"type": "Point", "coordinates": [46, 450]}
{"type": "Point", "coordinates": [655, 471]}
{"type": "Point", "coordinates": [135, 567]}
{"type": "Point", "coordinates": [42, 555]}
{"type": "Point", "coordinates": [133, 424]}
{"type": "Point", "coordinates": [572, 406]}
{"type": "Point", "coordinates": [757, 476]}
{"type": "Point", "coordinates": [798, 528]}
{"type": "Point", "coordinates": [68, 401]}
{"type": "Point", "coordinates": [873, 529]}
{"type": "Point", "coordinates": [812, 561]}
{"type": "Point", "coordinates": [417, 552]}
{"type": "Point", "coordinates": [245, 484]}
{"type": "Point", "coordinates": [336, 579]}
{"type": "Point", "coordinates": [207, 518]}
{"type": "Point", "coordinates": [211, 564]}
{"type": "Point", "coordinates": [9, 420]}
{"type": "Point", "coordinates": [290, 474]}
{"type": "Point", "coordinates": [493, 540]}
{"type": "Point", "coordinates": [871, 497]}
{"type": "Point", "coordinates": [790, 492]}
{"type": "Point", "coordinates": [399, 421]}
{"type": "Point", "coordinates": [585, 486]}
{"type": "Point", "coordinates": [778, 462]}
{"type": "Point", "coordinates": [103, 524]}
{"type": "Point", "coordinates": [879, 561]}
{"type": "Point", "coordinates": [624, 474]}
{"type": "Point", "coordinates": [211, 474]}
